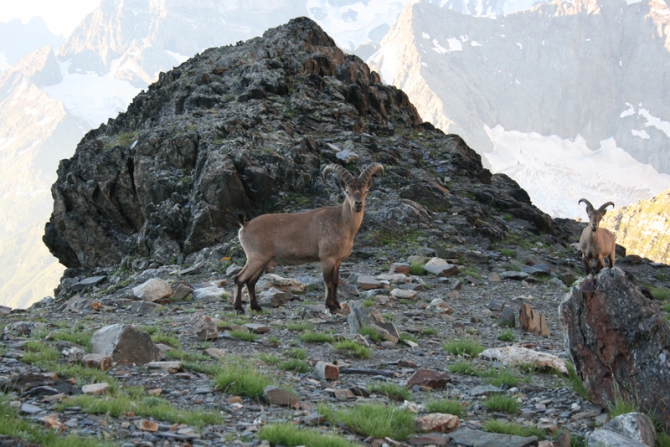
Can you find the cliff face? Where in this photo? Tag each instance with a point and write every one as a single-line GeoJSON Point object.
{"type": "Point", "coordinates": [247, 129]}
{"type": "Point", "coordinates": [644, 227]}
{"type": "Point", "coordinates": [588, 73]}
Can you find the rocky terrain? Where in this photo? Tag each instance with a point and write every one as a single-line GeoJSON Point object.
{"type": "Point", "coordinates": [450, 260]}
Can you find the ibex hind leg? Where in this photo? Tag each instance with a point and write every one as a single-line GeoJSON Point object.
{"type": "Point", "coordinates": [251, 288]}
{"type": "Point", "coordinates": [248, 272]}
{"type": "Point", "coordinates": [331, 277]}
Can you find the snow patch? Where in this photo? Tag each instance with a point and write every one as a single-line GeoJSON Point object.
{"type": "Point", "coordinates": [426, 36]}
{"type": "Point", "coordinates": [474, 43]}
{"type": "Point", "coordinates": [454, 44]}
{"type": "Point", "coordinates": [640, 133]}
{"type": "Point", "coordinates": [653, 121]}
{"type": "Point", "coordinates": [439, 49]}
{"type": "Point", "coordinates": [557, 172]}
{"type": "Point", "coordinates": [90, 97]}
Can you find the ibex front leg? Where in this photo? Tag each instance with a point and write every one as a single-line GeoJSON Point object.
{"type": "Point", "coordinates": [331, 278]}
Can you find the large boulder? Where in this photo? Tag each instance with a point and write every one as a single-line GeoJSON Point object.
{"type": "Point", "coordinates": [618, 342]}
{"type": "Point", "coordinates": [124, 342]}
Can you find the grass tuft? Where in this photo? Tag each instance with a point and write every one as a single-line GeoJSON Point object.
{"type": "Point", "coordinates": [374, 335]}
{"type": "Point", "coordinates": [378, 421]}
{"type": "Point", "coordinates": [464, 347]}
{"type": "Point", "coordinates": [390, 390]}
{"type": "Point", "coordinates": [357, 349]}
{"type": "Point", "coordinates": [242, 335]}
{"type": "Point", "coordinates": [238, 376]}
{"type": "Point", "coordinates": [509, 428]}
{"type": "Point", "coordinates": [298, 327]}
{"type": "Point", "coordinates": [502, 403]}
{"type": "Point", "coordinates": [296, 353]}
{"type": "Point", "coordinates": [448, 406]}
{"type": "Point", "coordinates": [291, 436]}
{"type": "Point", "coordinates": [295, 365]}
{"type": "Point", "coordinates": [316, 337]}
{"type": "Point", "coordinates": [464, 368]}
{"type": "Point", "coordinates": [429, 331]}
{"type": "Point", "coordinates": [575, 382]}
{"type": "Point", "coordinates": [507, 335]}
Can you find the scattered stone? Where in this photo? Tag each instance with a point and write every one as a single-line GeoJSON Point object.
{"type": "Point", "coordinates": [366, 282]}
{"type": "Point", "coordinates": [217, 353]}
{"type": "Point", "coordinates": [440, 422]}
{"type": "Point", "coordinates": [507, 318]}
{"type": "Point", "coordinates": [533, 321]}
{"type": "Point", "coordinates": [99, 361]}
{"type": "Point", "coordinates": [429, 379]}
{"type": "Point", "coordinates": [438, 305]}
{"type": "Point", "coordinates": [514, 275]}
{"type": "Point", "coordinates": [4, 310]}
{"type": "Point", "coordinates": [95, 388]}
{"type": "Point", "coordinates": [327, 371]}
{"type": "Point", "coordinates": [146, 425]}
{"type": "Point", "coordinates": [637, 426]}
{"type": "Point", "coordinates": [496, 306]}
{"type": "Point", "coordinates": [182, 291]}
{"type": "Point", "coordinates": [274, 395]}
{"type": "Point", "coordinates": [143, 307]}
{"type": "Point", "coordinates": [454, 295]}
{"type": "Point", "coordinates": [494, 277]}
{"type": "Point", "coordinates": [77, 304]}
{"type": "Point", "coordinates": [286, 284]}
{"type": "Point", "coordinates": [233, 269]}
{"type": "Point", "coordinates": [204, 327]}
{"type": "Point", "coordinates": [485, 390]}
{"type": "Point", "coordinates": [86, 283]}
{"type": "Point", "coordinates": [430, 439]}
{"type": "Point", "coordinates": [564, 440]}
{"type": "Point", "coordinates": [340, 394]}
{"type": "Point", "coordinates": [124, 342]}
{"type": "Point", "coordinates": [30, 409]}
{"type": "Point", "coordinates": [515, 355]}
{"type": "Point", "coordinates": [367, 372]}
{"type": "Point", "coordinates": [395, 278]}
{"type": "Point", "coordinates": [257, 328]}
{"type": "Point", "coordinates": [212, 294]}
{"type": "Point", "coordinates": [618, 342]}
{"type": "Point", "coordinates": [273, 298]}
{"type": "Point", "coordinates": [314, 419]}
{"type": "Point", "coordinates": [466, 437]}
{"type": "Point", "coordinates": [401, 267]}
{"type": "Point", "coordinates": [401, 294]}
{"type": "Point", "coordinates": [440, 267]}
{"type": "Point", "coordinates": [171, 367]}
{"type": "Point", "coordinates": [153, 290]}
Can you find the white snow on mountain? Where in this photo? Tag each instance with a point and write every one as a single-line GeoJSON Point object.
{"type": "Point", "coordinates": [556, 173]}
{"type": "Point", "coordinates": [90, 97]}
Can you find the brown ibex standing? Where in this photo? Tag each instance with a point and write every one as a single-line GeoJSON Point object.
{"type": "Point", "coordinates": [596, 243]}
{"type": "Point", "coordinates": [325, 234]}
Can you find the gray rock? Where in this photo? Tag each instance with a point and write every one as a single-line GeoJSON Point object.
{"type": "Point", "coordinates": [273, 298]}
{"type": "Point", "coordinates": [233, 269]}
{"type": "Point", "coordinates": [636, 426]}
{"type": "Point", "coordinates": [30, 409]}
{"type": "Point", "coordinates": [514, 275]}
{"type": "Point", "coordinates": [182, 291]}
{"type": "Point", "coordinates": [507, 317]}
{"type": "Point", "coordinates": [125, 342]}
{"type": "Point", "coordinates": [274, 395]}
{"type": "Point", "coordinates": [466, 437]}
{"type": "Point", "coordinates": [153, 290]}
{"type": "Point", "coordinates": [607, 438]}
{"type": "Point", "coordinates": [88, 282]}
{"type": "Point", "coordinates": [212, 294]}
{"type": "Point", "coordinates": [204, 327]}
{"type": "Point", "coordinates": [483, 390]}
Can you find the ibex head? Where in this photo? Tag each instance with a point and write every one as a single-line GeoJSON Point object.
{"type": "Point", "coordinates": [356, 189]}
{"type": "Point", "coordinates": [595, 215]}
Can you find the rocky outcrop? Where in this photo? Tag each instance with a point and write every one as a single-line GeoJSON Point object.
{"type": "Point", "coordinates": [618, 343]}
{"type": "Point", "coordinates": [246, 129]}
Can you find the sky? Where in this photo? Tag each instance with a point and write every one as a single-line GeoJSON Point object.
{"type": "Point", "coordinates": [61, 16]}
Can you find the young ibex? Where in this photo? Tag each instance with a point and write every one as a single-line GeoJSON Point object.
{"type": "Point", "coordinates": [325, 234]}
{"type": "Point", "coordinates": [596, 243]}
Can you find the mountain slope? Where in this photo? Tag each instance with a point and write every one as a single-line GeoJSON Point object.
{"type": "Point", "coordinates": [17, 40]}
{"type": "Point", "coordinates": [644, 227]}
{"type": "Point", "coordinates": [585, 72]}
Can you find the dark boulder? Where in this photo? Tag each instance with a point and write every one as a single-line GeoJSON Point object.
{"type": "Point", "coordinates": [619, 343]}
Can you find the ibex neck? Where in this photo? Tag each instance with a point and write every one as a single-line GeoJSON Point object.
{"type": "Point", "coordinates": [352, 217]}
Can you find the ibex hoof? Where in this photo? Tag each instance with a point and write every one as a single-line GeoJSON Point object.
{"type": "Point", "coordinates": [256, 308]}
{"type": "Point", "coordinates": [239, 310]}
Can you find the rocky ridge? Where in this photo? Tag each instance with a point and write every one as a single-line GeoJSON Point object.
{"type": "Point", "coordinates": [447, 253]}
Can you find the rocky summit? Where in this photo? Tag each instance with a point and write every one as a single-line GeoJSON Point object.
{"type": "Point", "coordinates": [449, 333]}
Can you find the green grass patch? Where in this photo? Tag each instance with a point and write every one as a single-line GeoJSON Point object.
{"type": "Point", "coordinates": [374, 335]}
{"type": "Point", "coordinates": [429, 331]}
{"type": "Point", "coordinates": [417, 268]}
{"type": "Point", "coordinates": [77, 335]}
{"type": "Point", "coordinates": [509, 428]}
{"type": "Point", "coordinates": [405, 337]}
{"type": "Point", "coordinates": [244, 335]}
{"type": "Point", "coordinates": [622, 405]}
{"type": "Point", "coordinates": [378, 421]}
{"type": "Point", "coordinates": [238, 376]}
{"type": "Point", "coordinates": [209, 369]}
{"type": "Point", "coordinates": [296, 353]}
{"type": "Point", "coordinates": [510, 253]}
{"type": "Point", "coordinates": [464, 347]}
{"type": "Point", "coordinates": [662, 440]}
{"type": "Point", "coordinates": [148, 406]}
{"type": "Point", "coordinates": [11, 424]}
{"type": "Point", "coordinates": [168, 339]}
{"type": "Point", "coordinates": [179, 354]}
{"type": "Point", "coordinates": [390, 390]}
{"type": "Point", "coordinates": [503, 377]}
{"type": "Point", "coordinates": [316, 337]}
{"type": "Point", "coordinates": [291, 436]}
{"type": "Point", "coordinates": [40, 354]}
{"type": "Point", "coordinates": [448, 406]}
{"type": "Point", "coordinates": [295, 365]}
{"type": "Point", "coordinates": [660, 293]}
{"type": "Point", "coordinates": [507, 335]}
{"type": "Point", "coordinates": [368, 302]}
{"type": "Point", "coordinates": [499, 402]}
{"type": "Point", "coordinates": [354, 348]}
{"type": "Point", "coordinates": [270, 359]}
{"type": "Point", "coordinates": [471, 271]}
{"type": "Point", "coordinates": [298, 327]}
{"type": "Point", "coordinates": [574, 382]}
{"type": "Point", "coordinates": [464, 368]}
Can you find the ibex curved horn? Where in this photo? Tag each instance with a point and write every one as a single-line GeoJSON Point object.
{"type": "Point", "coordinates": [371, 170]}
{"type": "Point", "coordinates": [345, 175]}
{"type": "Point", "coordinates": [605, 205]}
{"type": "Point", "coordinates": [589, 207]}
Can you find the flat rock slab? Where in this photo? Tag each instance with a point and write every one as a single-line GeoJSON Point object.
{"type": "Point", "coordinates": [485, 390]}
{"type": "Point", "coordinates": [95, 388]}
{"type": "Point", "coordinates": [513, 275]}
{"type": "Point", "coordinates": [153, 290]}
{"type": "Point", "coordinates": [466, 437]}
{"type": "Point", "coordinates": [437, 439]}
{"type": "Point", "coordinates": [366, 282]}
{"type": "Point", "coordinates": [274, 395]}
{"type": "Point", "coordinates": [257, 328]}
{"type": "Point", "coordinates": [515, 355]}
{"type": "Point", "coordinates": [439, 422]}
{"type": "Point", "coordinates": [429, 378]}
{"type": "Point", "coordinates": [170, 367]}
{"type": "Point", "coordinates": [403, 294]}
{"type": "Point", "coordinates": [210, 294]}
{"type": "Point", "coordinates": [30, 409]}
{"type": "Point", "coordinates": [607, 438]}
{"type": "Point", "coordinates": [88, 282]}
